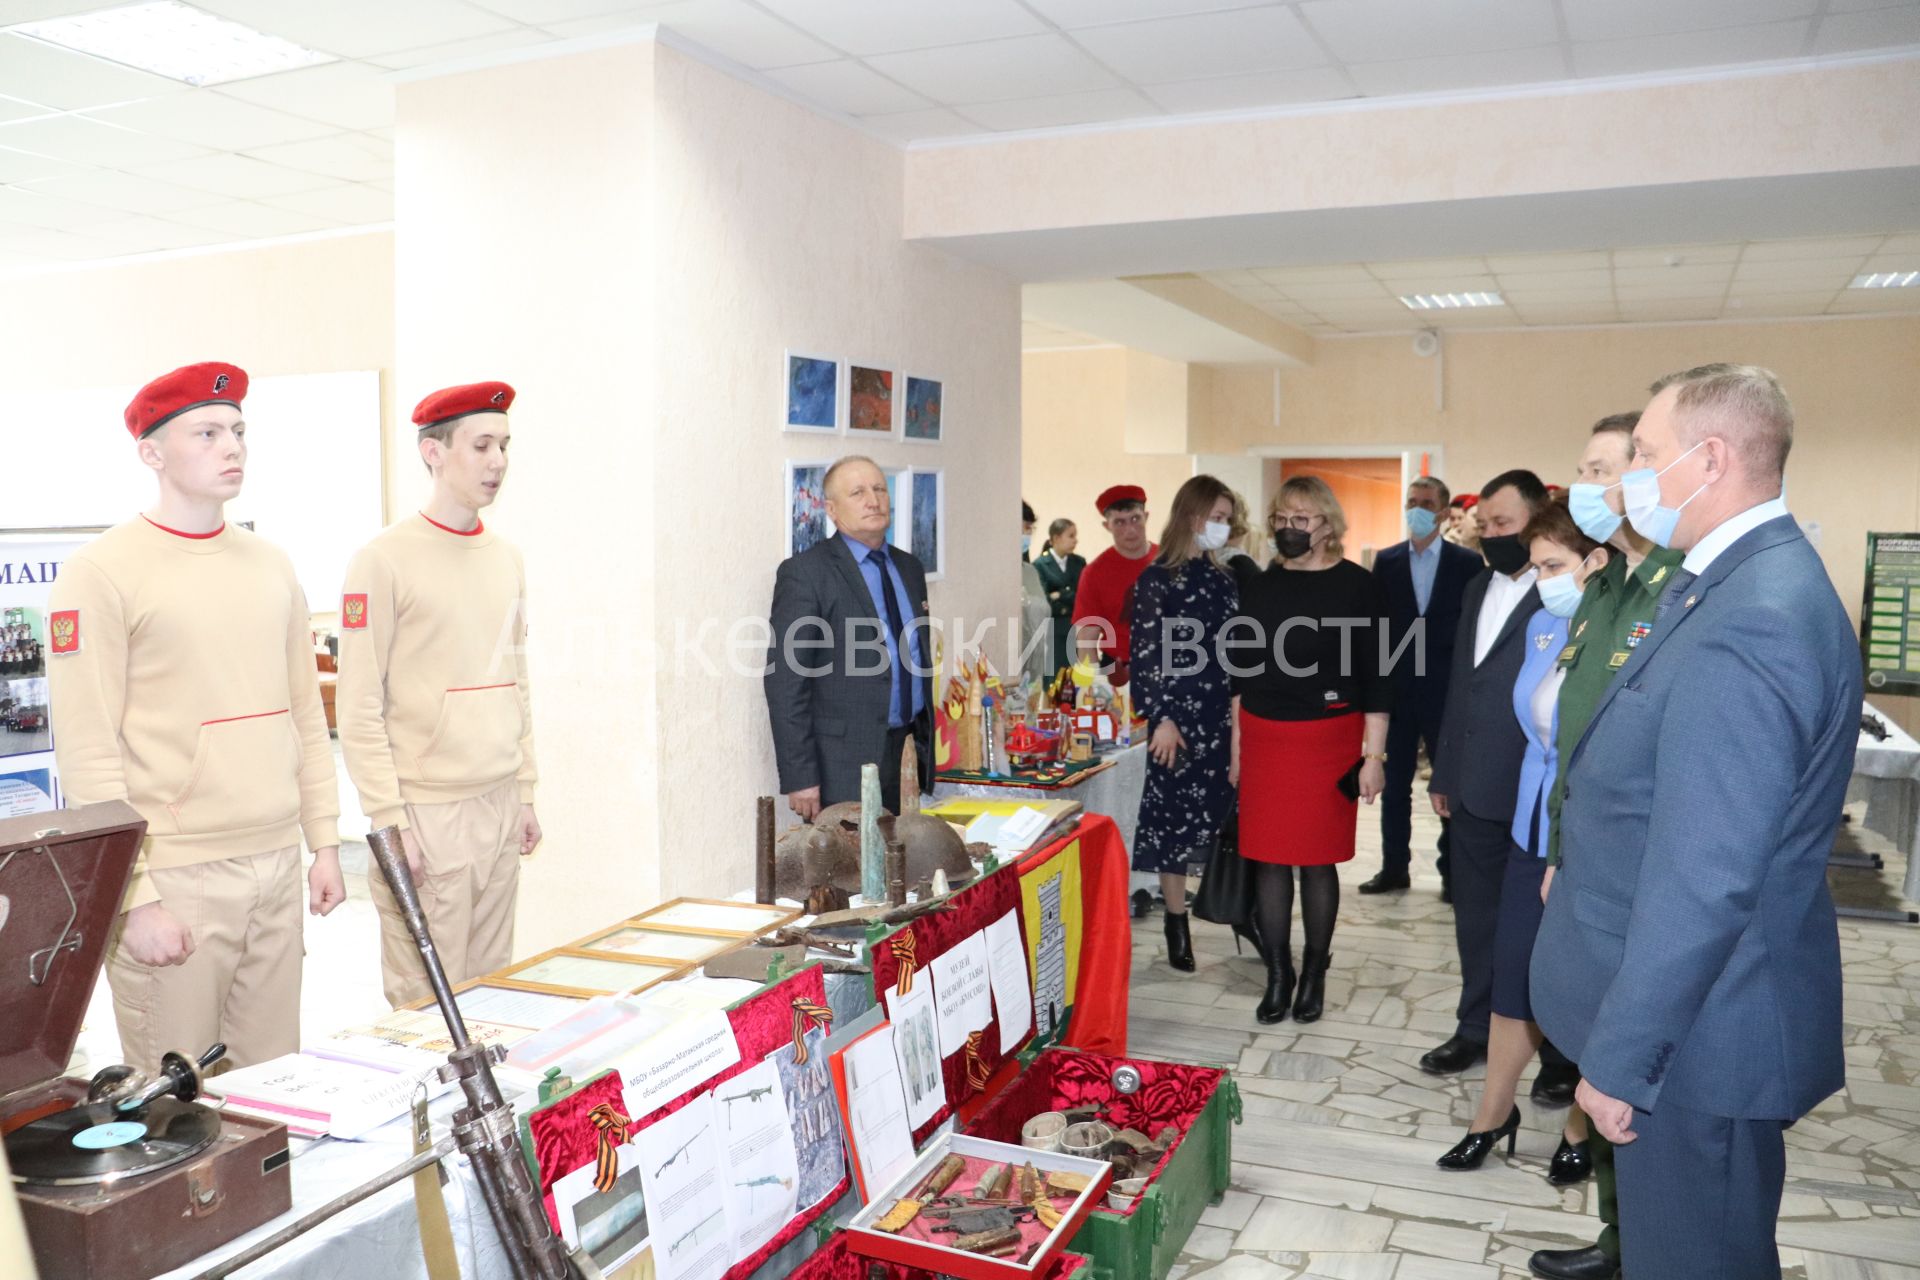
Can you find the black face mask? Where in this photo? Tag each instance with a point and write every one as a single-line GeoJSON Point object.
{"type": "Point", "coordinates": [1292, 543]}
{"type": "Point", "coordinates": [1504, 553]}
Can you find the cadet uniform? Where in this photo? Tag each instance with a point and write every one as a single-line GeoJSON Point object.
{"type": "Point", "coordinates": [435, 721]}
{"type": "Point", "coordinates": [182, 680]}
{"type": "Point", "coordinates": [1106, 587]}
{"type": "Point", "coordinates": [1616, 613]}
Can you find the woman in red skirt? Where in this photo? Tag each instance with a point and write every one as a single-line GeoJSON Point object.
{"type": "Point", "coordinates": [1309, 735]}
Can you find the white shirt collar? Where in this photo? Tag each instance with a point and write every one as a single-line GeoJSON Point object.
{"type": "Point", "coordinates": [1730, 531]}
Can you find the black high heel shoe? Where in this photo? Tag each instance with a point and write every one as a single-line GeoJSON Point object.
{"type": "Point", "coordinates": [1471, 1151]}
{"type": "Point", "coordinates": [1571, 1164]}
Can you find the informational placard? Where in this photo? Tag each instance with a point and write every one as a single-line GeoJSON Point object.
{"type": "Point", "coordinates": [1890, 614]}
{"type": "Point", "coordinates": [29, 563]}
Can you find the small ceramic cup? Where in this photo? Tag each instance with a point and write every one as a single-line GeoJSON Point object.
{"type": "Point", "coordinates": [1043, 1132]}
{"type": "Point", "coordinates": [1123, 1193]}
{"type": "Point", "coordinates": [1089, 1139]}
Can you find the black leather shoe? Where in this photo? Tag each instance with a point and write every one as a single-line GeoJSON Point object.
{"type": "Point", "coordinates": [1446, 892]}
{"type": "Point", "coordinates": [1555, 1084]}
{"type": "Point", "coordinates": [1571, 1164]}
{"type": "Point", "coordinates": [1453, 1057]}
{"type": "Point", "coordinates": [1142, 904]}
{"type": "Point", "coordinates": [1471, 1151]}
{"type": "Point", "coordinates": [1179, 942]}
{"type": "Point", "coordinates": [1387, 882]}
{"type": "Point", "coordinates": [1279, 993]}
{"type": "Point", "coordinates": [1313, 985]}
{"type": "Point", "coordinates": [1573, 1264]}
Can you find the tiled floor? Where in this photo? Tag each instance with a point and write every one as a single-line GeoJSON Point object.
{"type": "Point", "coordinates": [1333, 1172]}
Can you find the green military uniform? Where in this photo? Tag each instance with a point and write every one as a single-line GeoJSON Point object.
{"type": "Point", "coordinates": [1615, 615]}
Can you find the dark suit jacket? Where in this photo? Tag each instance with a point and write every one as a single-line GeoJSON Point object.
{"type": "Point", "coordinates": [1066, 581]}
{"type": "Point", "coordinates": [1482, 746]}
{"type": "Point", "coordinates": [1393, 570]}
{"type": "Point", "coordinates": [1689, 950]}
{"type": "Point", "coordinates": [828, 723]}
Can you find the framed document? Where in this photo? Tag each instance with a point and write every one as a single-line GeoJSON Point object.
{"type": "Point", "coordinates": [658, 944]}
{"type": "Point", "coordinates": [715, 916]}
{"type": "Point", "coordinates": [587, 972]}
{"type": "Point", "coordinates": [508, 1005]}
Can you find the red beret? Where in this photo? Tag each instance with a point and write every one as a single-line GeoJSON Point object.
{"type": "Point", "coordinates": [1468, 501]}
{"type": "Point", "coordinates": [458, 402]}
{"type": "Point", "coordinates": [170, 396]}
{"type": "Point", "coordinates": [1117, 494]}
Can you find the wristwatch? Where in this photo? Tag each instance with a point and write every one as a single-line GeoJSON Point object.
{"type": "Point", "coordinates": [1381, 756]}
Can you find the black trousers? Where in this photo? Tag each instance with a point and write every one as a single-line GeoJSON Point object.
{"type": "Point", "coordinates": [1480, 850]}
{"type": "Point", "coordinates": [1407, 729]}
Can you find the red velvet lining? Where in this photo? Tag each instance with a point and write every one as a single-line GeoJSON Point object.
{"type": "Point", "coordinates": [835, 1261]}
{"type": "Point", "coordinates": [564, 1139]}
{"type": "Point", "coordinates": [969, 911]}
{"type": "Point", "coordinates": [1058, 1079]}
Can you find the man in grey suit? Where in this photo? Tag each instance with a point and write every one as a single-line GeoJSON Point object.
{"type": "Point", "coordinates": [848, 681]}
{"type": "Point", "coordinates": [1689, 959]}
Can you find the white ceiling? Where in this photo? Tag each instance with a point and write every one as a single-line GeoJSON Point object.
{"type": "Point", "coordinates": [98, 160]}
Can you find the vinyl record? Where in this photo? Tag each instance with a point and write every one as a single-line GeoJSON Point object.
{"type": "Point", "coordinates": [94, 1143]}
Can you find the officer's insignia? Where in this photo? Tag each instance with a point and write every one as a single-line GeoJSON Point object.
{"type": "Point", "coordinates": [1689, 602]}
{"type": "Point", "coordinates": [1658, 574]}
{"type": "Point", "coordinates": [1580, 630]}
{"type": "Point", "coordinates": [353, 612]}
{"type": "Point", "coordinates": [219, 383]}
{"type": "Point", "coordinates": [65, 628]}
{"type": "Point", "coordinates": [1619, 659]}
{"type": "Point", "coordinates": [1637, 632]}
{"type": "Point", "coordinates": [1568, 654]}
{"type": "Point", "coordinates": [1542, 640]}
{"type": "Point", "coordinates": [499, 397]}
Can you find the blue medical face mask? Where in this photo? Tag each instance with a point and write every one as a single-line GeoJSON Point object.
{"type": "Point", "coordinates": [1421, 523]}
{"type": "Point", "coordinates": [1026, 543]}
{"type": "Point", "coordinates": [1587, 504]}
{"type": "Point", "coordinates": [1561, 595]}
{"type": "Point", "coordinates": [1640, 494]}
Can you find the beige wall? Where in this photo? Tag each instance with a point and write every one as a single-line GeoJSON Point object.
{"type": "Point", "coordinates": [315, 306]}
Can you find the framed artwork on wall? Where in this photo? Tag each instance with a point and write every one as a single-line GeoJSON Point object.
{"type": "Point", "coordinates": [921, 421]}
{"type": "Point", "coordinates": [926, 520]}
{"type": "Point", "coordinates": [872, 412]}
{"type": "Point", "coordinates": [812, 393]}
{"type": "Point", "coordinates": [806, 496]}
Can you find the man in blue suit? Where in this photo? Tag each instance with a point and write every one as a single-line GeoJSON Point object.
{"type": "Point", "coordinates": [1423, 581]}
{"type": "Point", "coordinates": [1689, 959]}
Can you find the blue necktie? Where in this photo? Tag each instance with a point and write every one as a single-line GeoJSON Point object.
{"type": "Point", "coordinates": [896, 625]}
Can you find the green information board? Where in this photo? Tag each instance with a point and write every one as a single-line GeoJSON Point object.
{"type": "Point", "coordinates": [1890, 615]}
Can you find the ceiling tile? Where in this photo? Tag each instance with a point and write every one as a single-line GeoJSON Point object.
{"type": "Point", "coordinates": [1800, 250]}
{"type": "Point", "coordinates": [1243, 93]}
{"type": "Point", "coordinates": [1371, 290]}
{"type": "Point", "coordinates": [90, 142]}
{"type": "Point", "coordinates": [22, 166]}
{"type": "Point", "coordinates": [544, 13]}
{"type": "Point", "coordinates": [27, 207]}
{"type": "Point", "coordinates": [1772, 297]}
{"type": "Point", "coordinates": [1679, 254]}
{"type": "Point", "coordinates": [1460, 71]}
{"type": "Point", "coordinates": [1062, 109]}
{"type": "Point", "coordinates": [48, 246]}
{"type": "Point", "coordinates": [1558, 297]}
{"type": "Point", "coordinates": [1908, 260]}
{"type": "Point", "coordinates": [1529, 263]}
{"type": "Point", "coordinates": [912, 126]}
{"type": "Point", "coordinates": [1876, 300]}
{"type": "Point", "coordinates": [122, 191]}
{"type": "Point", "coordinates": [346, 95]}
{"type": "Point", "coordinates": [1838, 269]}
{"type": "Point", "coordinates": [16, 109]}
{"type": "Point", "coordinates": [733, 29]}
{"type": "Point", "coordinates": [623, 21]}
{"type": "Point", "coordinates": [1241, 42]}
{"type": "Point", "coordinates": [351, 157]}
{"type": "Point", "coordinates": [1027, 67]}
{"type": "Point", "coordinates": [1391, 30]}
{"type": "Point", "coordinates": [1622, 19]}
{"type": "Point", "coordinates": [238, 176]}
{"type": "Point", "coordinates": [1777, 306]}
{"type": "Point", "coordinates": [139, 233]}
{"type": "Point", "coordinates": [206, 119]}
{"type": "Point", "coordinates": [1667, 277]}
{"type": "Point", "coordinates": [849, 88]}
{"type": "Point", "coordinates": [1423, 268]}
{"type": "Point", "coordinates": [357, 28]}
{"type": "Point", "coordinates": [35, 10]}
{"type": "Point", "coordinates": [1760, 43]}
{"type": "Point", "coordinates": [243, 219]}
{"type": "Point", "coordinates": [1539, 280]}
{"type": "Point", "coordinates": [58, 78]}
{"type": "Point", "coordinates": [351, 203]}
{"type": "Point", "coordinates": [1633, 297]}
{"type": "Point", "coordinates": [1902, 244]}
{"type": "Point", "coordinates": [431, 55]}
{"type": "Point", "coordinates": [1333, 274]}
{"type": "Point", "coordinates": [1845, 32]}
{"type": "Point", "coordinates": [1090, 13]}
{"type": "Point", "coordinates": [861, 27]}
{"type": "Point", "coordinates": [1658, 309]}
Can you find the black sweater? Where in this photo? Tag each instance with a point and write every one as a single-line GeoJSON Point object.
{"type": "Point", "coordinates": [1344, 658]}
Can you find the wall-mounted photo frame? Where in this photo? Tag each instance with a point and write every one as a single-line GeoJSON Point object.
{"type": "Point", "coordinates": [873, 401]}
{"type": "Point", "coordinates": [922, 412]}
{"type": "Point", "coordinates": [926, 520]}
{"type": "Point", "coordinates": [812, 394]}
{"type": "Point", "coordinates": [806, 524]}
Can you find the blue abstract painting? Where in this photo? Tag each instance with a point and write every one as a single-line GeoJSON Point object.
{"type": "Point", "coordinates": [813, 391]}
{"type": "Point", "coordinates": [923, 409]}
{"type": "Point", "coordinates": [926, 520]}
{"type": "Point", "coordinates": [806, 507]}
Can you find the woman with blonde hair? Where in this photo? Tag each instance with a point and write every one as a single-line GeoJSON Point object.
{"type": "Point", "coordinates": [1309, 735]}
{"type": "Point", "coordinates": [1181, 603]}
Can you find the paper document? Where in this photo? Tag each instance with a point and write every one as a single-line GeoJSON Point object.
{"type": "Point", "coordinates": [916, 1048]}
{"type": "Point", "coordinates": [877, 1105]}
{"type": "Point", "coordinates": [680, 1167]}
{"type": "Point", "coordinates": [762, 1171]}
{"type": "Point", "coordinates": [962, 992]}
{"type": "Point", "coordinates": [1012, 990]}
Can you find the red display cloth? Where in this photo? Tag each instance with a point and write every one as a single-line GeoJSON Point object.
{"type": "Point", "coordinates": [1170, 1093]}
{"type": "Point", "coordinates": [1099, 1019]}
{"type": "Point", "coordinates": [564, 1139]}
{"type": "Point", "coordinates": [835, 1261]}
{"type": "Point", "coordinates": [968, 912]}
{"type": "Point", "coordinates": [1305, 820]}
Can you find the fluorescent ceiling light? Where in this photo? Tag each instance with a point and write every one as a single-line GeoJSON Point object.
{"type": "Point", "coordinates": [1448, 301]}
{"type": "Point", "coordinates": [174, 40]}
{"type": "Point", "coordinates": [1886, 280]}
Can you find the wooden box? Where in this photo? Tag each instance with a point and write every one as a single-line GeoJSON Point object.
{"type": "Point", "coordinates": [63, 875]}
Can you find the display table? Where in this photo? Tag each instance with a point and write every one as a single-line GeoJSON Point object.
{"type": "Point", "coordinates": [1113, 790]}
{"type": "Point", "coordinates": [1886, 772]}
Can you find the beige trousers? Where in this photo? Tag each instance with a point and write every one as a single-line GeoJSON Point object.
{"type": "Point", "coordinates": [471, 855]}
{"type": "Point", "coordinates": [241, 985]}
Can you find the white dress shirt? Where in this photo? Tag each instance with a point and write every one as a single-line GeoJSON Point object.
{"type": "Point", "coordinates": [1503, 593]}
{"type": "Point", "coordinates": [1730, 531]}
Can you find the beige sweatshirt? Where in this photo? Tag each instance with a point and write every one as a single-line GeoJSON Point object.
{"type": "Point", "coordinates": [182, 680]}
{"type": "Point", "coordinates": [432, 703]}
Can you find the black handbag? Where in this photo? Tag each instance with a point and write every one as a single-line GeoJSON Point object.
{"type": "Point", "coordinates": [1225, 895]}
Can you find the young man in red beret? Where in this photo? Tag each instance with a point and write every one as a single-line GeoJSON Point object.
{"type": "Point", "coordinates": [435, 718]}
{"type": "Point", "coordinates": [1105, 602]}
{"type": "Point", "coordinates": [182, 680]}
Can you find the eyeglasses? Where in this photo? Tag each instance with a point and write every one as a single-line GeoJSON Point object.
{"type": "Point", "coordinates": [1294, 522]}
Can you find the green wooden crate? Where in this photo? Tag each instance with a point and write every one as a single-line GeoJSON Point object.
{"type": "Point", "coordinates": [1141, 1243]}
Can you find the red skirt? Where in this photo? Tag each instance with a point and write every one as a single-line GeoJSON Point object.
{"type": "Point", "coordinates": [1292, 810]}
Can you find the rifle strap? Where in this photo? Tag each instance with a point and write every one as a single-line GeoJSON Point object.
{"type": "Point", "coordinates": [436, 1233]}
